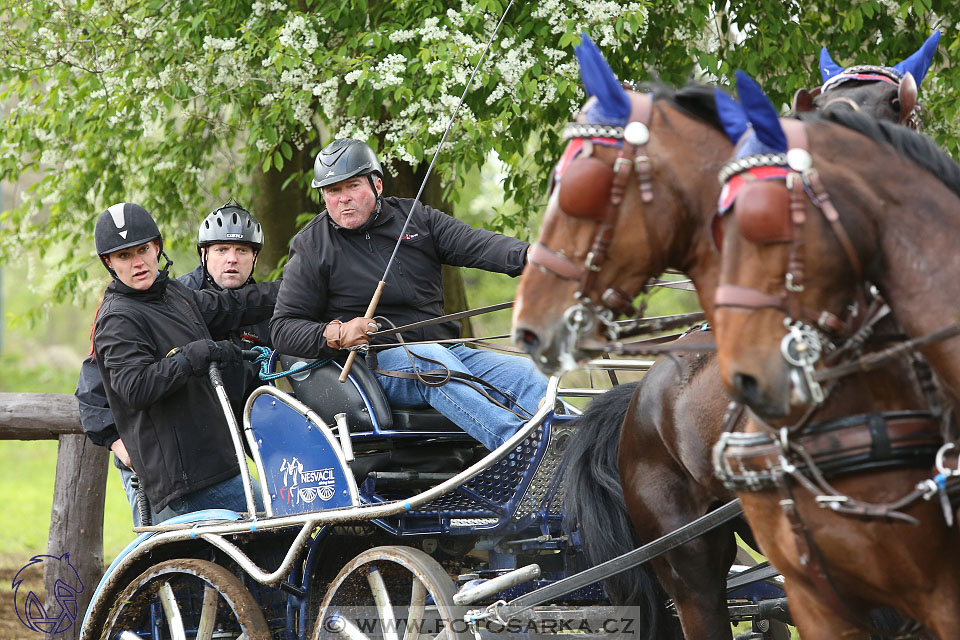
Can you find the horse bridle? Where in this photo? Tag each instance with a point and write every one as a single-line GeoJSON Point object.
{"type": "Point", "coordinates": [633, 138]}
{"type": "Point", "coordinates": [802, 183]}
{"type": "Point", "coordinates": [804, 341]}
{"type": "Point", "coordinates": [906, 92]}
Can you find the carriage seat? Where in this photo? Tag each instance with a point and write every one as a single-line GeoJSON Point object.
{"type": "Point", "coordinates": [362, 399]}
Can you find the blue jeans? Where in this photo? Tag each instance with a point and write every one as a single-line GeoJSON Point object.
{"type": "Point", "coordinates": [514, 376]}
{"type": "Point", "coordinates": [228, 494]}
{"type": "Point", "coordinates": [225, 495]}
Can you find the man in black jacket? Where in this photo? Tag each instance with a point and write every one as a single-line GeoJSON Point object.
{"type": "Point", "coordinates": [228, 242]}
{"type": "Point", "coordinates": [336, 262]}
{"type": "Point", "coordinates": [152, 347]}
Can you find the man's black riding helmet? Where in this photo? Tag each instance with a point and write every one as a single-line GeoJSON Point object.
{"type": "Point", "coordinates": [124, 225]}
{"type": "Point", "coordinates": [344, 158]}
{"type": "Point", "coordinates": [230, 223]}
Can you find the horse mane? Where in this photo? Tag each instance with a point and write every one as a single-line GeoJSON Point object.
{"type": "Point", "coordinates": [696, 100]}
{"type": "Point", "coordinates": [917, 147]}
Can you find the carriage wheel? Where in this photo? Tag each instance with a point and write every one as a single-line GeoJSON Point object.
{"type": "Point", "coordinates": [186, 599]}
{"type": "Point", "coordinates": [393, 593]}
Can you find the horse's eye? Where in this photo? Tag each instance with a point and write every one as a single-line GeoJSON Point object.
{"type": "Point", "coordinates": [895, 103]}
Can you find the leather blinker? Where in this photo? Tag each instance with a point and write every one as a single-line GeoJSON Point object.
{"type": "Point", "coordinates": [585, 188]}
{"type": "Point", "coordinates": [762, 210]}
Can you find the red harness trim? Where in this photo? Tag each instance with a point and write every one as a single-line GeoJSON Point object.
{"type": "Point", "coordinates": [733, 186]}
{"type": "Point", "coordinates": [574, 147]}
{"type": "Point", "coordinates": [863, 77]}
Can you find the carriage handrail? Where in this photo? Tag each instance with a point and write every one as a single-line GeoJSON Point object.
{"type": "Point", "coordinates": [625, 365]}
{"type": "Point", "coordinates": [367, 511]}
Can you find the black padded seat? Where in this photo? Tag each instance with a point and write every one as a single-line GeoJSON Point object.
{"type": "Point", "coordinates": [321, 390]}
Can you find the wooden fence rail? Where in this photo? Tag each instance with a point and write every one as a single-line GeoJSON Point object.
{"type": "Point", "coordinates": [76, 519]}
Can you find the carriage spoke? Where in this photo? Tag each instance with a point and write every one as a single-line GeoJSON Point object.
{"type": "Point", "coordinates": [418, 597]}
{"type": "Point", "coordinates": [208, 613]}
{"type": "Point", "coordinates": [388, 621]}
{"type": "Point", "coordinates": [172, 612]}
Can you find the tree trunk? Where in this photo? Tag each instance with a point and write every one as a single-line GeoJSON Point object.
{"type": "Point", "coordinates": [76, 525]}
{"type": "Point", "coordinates": [277, 208]}
{"type": "Point", "coordinates": [406, 185]}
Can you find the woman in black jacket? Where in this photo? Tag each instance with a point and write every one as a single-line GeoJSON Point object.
{"type": "Point", "coordinates": [152, 346]}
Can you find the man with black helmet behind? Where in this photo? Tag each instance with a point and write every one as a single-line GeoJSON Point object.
{"type": "Point", "coordinates": [228, 242]}
{"type": "Point", "coordinates": [152, 347]}
{"type": "Point", "coordinates": [335, 264]}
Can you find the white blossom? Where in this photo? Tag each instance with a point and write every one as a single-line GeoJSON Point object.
{"type": "Point", "coordinates": [219, 44]}
{"type": "Point", "coordinates": [402, 35]}
{"type": "Point", "coordinates": [431, 30]}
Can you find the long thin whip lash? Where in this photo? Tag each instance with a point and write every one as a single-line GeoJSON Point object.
{"type": "Point", "coordinates": [375, 300]}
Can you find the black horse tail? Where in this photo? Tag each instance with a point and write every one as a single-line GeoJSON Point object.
{"type": "Point", "coordinates": [594, 507]}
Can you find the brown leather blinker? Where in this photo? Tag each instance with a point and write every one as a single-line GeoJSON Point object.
{"type": "Point", "coordinates": [585, 188]}
{"type": "Point", "coordinates": [762, 210]}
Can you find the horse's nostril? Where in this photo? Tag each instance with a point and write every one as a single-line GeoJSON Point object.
{"type": "Point", "coordinates": [529, 340]}
{"type": "Point", "coordinates": [746, 385]}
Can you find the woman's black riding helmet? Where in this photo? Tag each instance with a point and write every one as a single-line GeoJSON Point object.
{"type": "Point", "coordinates": [122, 226]}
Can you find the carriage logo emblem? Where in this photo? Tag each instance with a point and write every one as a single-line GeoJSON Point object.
{"type": "Point", "coordinates": [30, 609]}
{"type": "Point", "coordinates": [306, 486]}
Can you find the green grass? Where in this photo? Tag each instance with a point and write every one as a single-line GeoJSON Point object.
{"type": "Point", "coordinates": [26, 499]}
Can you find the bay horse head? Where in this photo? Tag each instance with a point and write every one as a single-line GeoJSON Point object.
{"type": "Point", "coordinates": [687, 145]}
{"type": "Point", "coordinates": [882, 92]}
{"type": "Point", "coordinates": [854, 197]}
{"type": "Point", "coordinates": [636, 165]}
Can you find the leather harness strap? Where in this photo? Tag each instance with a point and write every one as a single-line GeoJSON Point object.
{"type": "Point", "coordinates": [555, 262]}
{"type": "Point", "coordinates": [732, 295]}
{"type": "Point", "coordinates": [631, 158]}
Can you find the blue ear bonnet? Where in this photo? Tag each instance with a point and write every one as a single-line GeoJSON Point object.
{"type": "Point", "coordinates": [612, 106]}
{"type": "Point", "coordinates": [753, 122]}
{"type": "Point", "coordinates": [917, 63]}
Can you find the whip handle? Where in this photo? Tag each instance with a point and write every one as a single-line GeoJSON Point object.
{"type": "Point", "coordinates": [371, 309]}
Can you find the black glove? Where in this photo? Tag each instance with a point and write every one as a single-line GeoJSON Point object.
{"type": "Point", "coordinates": [226, 353]}
{"type": "Point", "coordinates": [201, 353]}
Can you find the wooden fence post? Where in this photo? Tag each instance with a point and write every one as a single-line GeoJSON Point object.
{"type": "Point", "coordinates": [76, 519]}
{"type": "Point", "coordinates": [76, 522]}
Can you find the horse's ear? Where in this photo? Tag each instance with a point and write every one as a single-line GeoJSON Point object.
{"type": "Point", "coordinates": [613, 104]}
{"type": "Point", "coordinates": [828, 68]}
{"type": "Point", "coordinates": [920, 60]}
{"type": "Point", "coordinates": [802, 101]}
{"type": "Point", "coordinates": [761, 113]}
{"type": "Point", "coordinates": [731, 115]}
{"type": "Point", "coordinates": [907, 94]}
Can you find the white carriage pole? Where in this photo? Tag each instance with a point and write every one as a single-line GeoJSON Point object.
{"type": "Point", "coordinates": [217, 380]}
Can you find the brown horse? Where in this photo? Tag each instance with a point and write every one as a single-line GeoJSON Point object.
{"type": "Point", "coordinates": [896, 195]}
{"type": "Point", "coordinates": [675, 417]}
{"type": "Point", "coordinates": [778, 269]}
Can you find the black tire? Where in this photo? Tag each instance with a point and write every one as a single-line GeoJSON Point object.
{"type": "Point", "coordinates": [203, 596]}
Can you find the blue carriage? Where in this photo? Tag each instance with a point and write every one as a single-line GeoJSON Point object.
{"type": "Point", "coordinates": [377, 523]}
